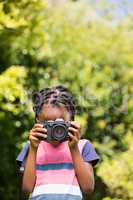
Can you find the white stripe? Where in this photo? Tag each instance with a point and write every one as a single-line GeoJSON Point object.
{"type": "Point", "coordinates": [56, 189]}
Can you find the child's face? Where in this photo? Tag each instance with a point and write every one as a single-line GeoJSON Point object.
{"type": "Point", "coordinates": [52, 112]}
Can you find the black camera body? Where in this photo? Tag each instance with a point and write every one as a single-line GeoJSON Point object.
{"type": "Point", "coordinates": [57, 130]}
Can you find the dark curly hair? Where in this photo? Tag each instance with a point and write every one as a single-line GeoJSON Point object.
{"type": "Point", "coordinates": [55, 95]}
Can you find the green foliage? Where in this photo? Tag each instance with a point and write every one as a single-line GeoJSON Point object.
{"type": "Point", "coordinates": [118, 173]}
{"type": "Point", "coordinates": [21, 35]}
{"type": "Point", "coordinates": [11, 89]}
{"type": "Point", "coordinates": [12, 120]}
{"type": "Point", "coordinates": [90, 54]}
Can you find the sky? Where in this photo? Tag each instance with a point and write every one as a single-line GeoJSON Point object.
{"type": "Point", "coordinates": [121, 8]}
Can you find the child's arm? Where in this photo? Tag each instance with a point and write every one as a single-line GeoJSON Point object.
{"type": "Point", "coordinates": [83, 170]}
{"type": "Point", "coordinates": [29, 176]}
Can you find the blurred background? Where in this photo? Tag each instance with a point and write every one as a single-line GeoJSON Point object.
{"type": "Point", "coordinates": [86, 45]}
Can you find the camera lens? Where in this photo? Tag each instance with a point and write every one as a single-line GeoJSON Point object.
{"type": "Point", "coordinates": [59, 132]}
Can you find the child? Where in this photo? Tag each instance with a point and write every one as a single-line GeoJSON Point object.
{"type": "Point", "coordinates": [56, 170]}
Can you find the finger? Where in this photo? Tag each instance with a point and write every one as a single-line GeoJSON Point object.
{"type": "Point", "coordinates": [72, 137]}
{"type": "Point", "coordinates": [37, 125]}
{"type": "Point", "coordinates": [75, 124]}
{"type": "Point", "coordinates": [38, 135]}
{"type": "Point", "coordinates": [44, 130]}
{"type": "Point", "coordinates": [33, 138]}
{"type": "Point", "coordinates": [75, 132]}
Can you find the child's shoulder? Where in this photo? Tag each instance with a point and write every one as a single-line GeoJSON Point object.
{"type": "Point", "coordinates": [83, 142]}
{"type": "Point", "coordinates": [88, 152]}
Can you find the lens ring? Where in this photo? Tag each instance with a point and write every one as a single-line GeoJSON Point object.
{"type": "Point", "coordinates": [59, 132]}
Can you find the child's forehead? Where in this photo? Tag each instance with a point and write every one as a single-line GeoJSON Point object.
{"type": "Point", "coordinates": [53, 112]}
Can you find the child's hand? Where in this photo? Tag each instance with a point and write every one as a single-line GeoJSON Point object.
{"type": "Point", "coordinates": [36, 133]}
{"type": "Point", "coordinates": [74, 134]}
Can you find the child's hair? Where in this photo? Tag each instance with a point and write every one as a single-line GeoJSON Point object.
{"type": "Point", "coordinates": [55, 95]}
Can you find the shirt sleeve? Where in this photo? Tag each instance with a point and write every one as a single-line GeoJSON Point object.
{"type": "Point", "coordinates": [21, 158]}
{"type": "Point", "coordinates": [89, 154]}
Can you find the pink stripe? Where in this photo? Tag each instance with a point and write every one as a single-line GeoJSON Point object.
{"type": "Point", "coordinates": [56, 160]}
{"type": "Point", "coordinates": [56, 177]}
{"type": "Point", "coordinates": [48, 154]}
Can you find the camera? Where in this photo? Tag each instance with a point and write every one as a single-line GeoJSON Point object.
{"type": "Point", "coordinates": [57, 130]}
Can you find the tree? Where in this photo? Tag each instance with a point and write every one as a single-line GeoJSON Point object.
{"type": "Point", "coordinates": [75, 46]}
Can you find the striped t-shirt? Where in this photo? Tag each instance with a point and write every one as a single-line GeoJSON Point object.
{"type": "Point", "coordinates": [55, 174]}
